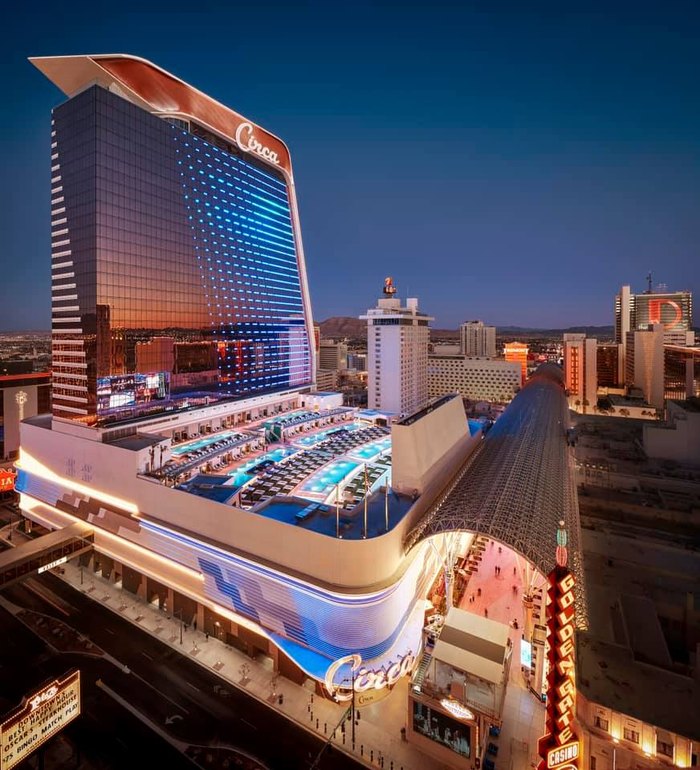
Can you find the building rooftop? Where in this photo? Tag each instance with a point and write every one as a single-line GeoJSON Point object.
{"type": "Point", "coordinates": [427, 409]}
{"type": "Point", "coordinates": [630, 659]}
{"type": "Point", "coordinates": [689, 404]}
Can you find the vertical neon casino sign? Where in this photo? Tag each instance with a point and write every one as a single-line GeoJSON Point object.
{"type": "Point", "coordinates": [560, 747]}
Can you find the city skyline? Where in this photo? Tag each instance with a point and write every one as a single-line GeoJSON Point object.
{"type": "Point", "coordinates": [523, 137]}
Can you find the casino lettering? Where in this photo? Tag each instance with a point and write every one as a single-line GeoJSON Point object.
{"type": "Point", "coordinates": [560, 745]}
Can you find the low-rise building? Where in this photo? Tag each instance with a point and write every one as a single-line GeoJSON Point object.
{"type": "Point", "coordinates": [678, 438]}
{"type": "Point", "coordinates": [459, 691]}
{"type": "Point", "coordinates": [21, 396]}
{"type": "Point", "coordinates": [477, 379]}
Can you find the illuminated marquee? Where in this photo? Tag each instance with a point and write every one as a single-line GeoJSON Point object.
{"type": "Point", "coordinates": [7, 481]}
{"type": "Point", "coordinates": [560, 745]}
{"type": "Point", "coordinates": [40, 717]}
{"type": "Point", "coordinates": [365, 679]}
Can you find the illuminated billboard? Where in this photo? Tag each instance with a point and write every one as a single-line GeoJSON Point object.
{"type": "Point", "coordinates": [131, 390]}
{"type": "Point", "coordinates": [40, 716]}
{"type": "Point", "coordinates": [673, 311]}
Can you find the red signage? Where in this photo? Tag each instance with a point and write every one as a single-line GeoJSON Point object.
{"type": "Point", "coordinates": [655, 312]}
{"type": "Point", "coordinates": [560, 745]}
{"type": "Point", "coordinates": [7, 480]}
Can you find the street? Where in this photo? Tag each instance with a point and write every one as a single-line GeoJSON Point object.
{"type": "Point", "coordinates": [179, 697]}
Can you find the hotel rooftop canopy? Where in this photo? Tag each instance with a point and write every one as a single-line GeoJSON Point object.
{"type": "Point", "coordinates": [519, 484]}
{"type": "Point", "coordinates": [159, 92]}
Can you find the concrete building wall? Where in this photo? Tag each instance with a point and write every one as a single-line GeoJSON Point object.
{"type": "Point", "coordinates": [477, 339]}
{"type": "Point", "coordinates": [645, 363]}
{"type": "Point", "coordinates": [477, 379]}
{"type": "Point", "coordinates": [678, 439]}
{"type": "Point", "coordinates": [421, 446]}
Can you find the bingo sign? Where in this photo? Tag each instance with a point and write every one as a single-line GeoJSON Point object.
{"type": "Point", "coordinates": [7, 480]}
{"type": "Point", "coordinates": [559, 747]}
{"type": "Point", "coordinates": [39, 718]}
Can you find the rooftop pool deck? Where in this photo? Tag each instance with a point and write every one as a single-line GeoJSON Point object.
{"type": "Point", "coordinates": [476, 424]}
{"type": "Point", "coordinates": [320, 518]}
{"type": "Point", "coordinates": [308, 441]}
{"type": "Point", "coordinates": [368, 452]}
{"type": "Point", "coordinates": [326, 478]}
{"type": "Point", "coordinates": [204, 442]}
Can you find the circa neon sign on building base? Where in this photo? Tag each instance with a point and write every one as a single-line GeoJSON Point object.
{"type": "Point", "coordinates": [363, 679]}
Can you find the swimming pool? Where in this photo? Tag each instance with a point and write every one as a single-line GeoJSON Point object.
{"type": "Point", "coordinates": [476, 425]}
{"type": "Point", "coordinates": [203, 443]}
{"type": "Point", "coordinates": [308, 441]}
{"type": "Point", "coordinates": [368, 452]}
{"type": "Point", "coordinates": [323, 481]}
{"type": "Point", "coordinates": [240, 474]}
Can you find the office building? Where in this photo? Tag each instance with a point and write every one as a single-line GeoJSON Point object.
{"type": "Point", "coordinates": [610, 365]}
{"type": "Point", "coordinates": [681, 371]}
{"type": "Point", "coordinates": [333, 355]}
{"type": "Point", "coordinates": [644, 362]}
{"type": "Point", "coordinates": [357, 361]}
{"type": "Point", "coordinates": [517, 353]}
{"type": "Point", "coordinates": [581, 371]}
{"type": "Point", "coordinates": [673, 310]}
{"type": "Point", "coordinates": [397, 354]}
{"type": "Point", "coordinates": [476, 379]}
{"type": "Point", "coordinates": [181, 225]}
{"type": "Point", "coordinates": [476, 339]}
{"type": "Point", "coordinates": [326, 379]}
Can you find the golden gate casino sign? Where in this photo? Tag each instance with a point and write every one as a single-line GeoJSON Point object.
{"type": "Point", "coordinates": [560, 747]}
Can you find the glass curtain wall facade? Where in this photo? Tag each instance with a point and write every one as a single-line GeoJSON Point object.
{"type": "Point", "coordinates": [162, 239]}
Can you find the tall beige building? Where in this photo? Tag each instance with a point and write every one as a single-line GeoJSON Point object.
{"type": "Point", "coordinates": [645, 363]}
{"type": "Point", "coordinates": [477, 339]}
{"type": "Point", "coordinates": [478, 379]}
{"type": "Point", "coordinates": [581, 371]}
{"type": "Point", "coordinates": [397, 354]}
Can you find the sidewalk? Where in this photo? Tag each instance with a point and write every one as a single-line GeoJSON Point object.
{"type": "Point", "coordinates": [523, 714]}
{"type": "Point", "coordinates": [378, 733]}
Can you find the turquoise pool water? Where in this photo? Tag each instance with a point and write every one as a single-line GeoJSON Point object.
{"type": "Point", "coordinates": [475, 425]}
{"type": "Point", "coordinates": [202, 443]}
{"type": "Point", "coordinates": [308, 441]}
{"type": "Point", "coordinates": [324, 480]}
{"type": "Point", "coordinates": [368, 452]}
{"type": "Point", "coordinates": [240, 474]}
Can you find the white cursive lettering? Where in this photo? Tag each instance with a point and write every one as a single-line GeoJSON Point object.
{"type": "Point", "coordinates": [366, 679]}
{"type": "Point", "coordinates": [246, 140]}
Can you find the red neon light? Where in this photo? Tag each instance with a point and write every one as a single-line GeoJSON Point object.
{"type": "Point", "coordinates": [7, 481]}
{"type": "Point", "coordinates": [560, 745]}
{"type": "Point", "coordinates": [655, 312]}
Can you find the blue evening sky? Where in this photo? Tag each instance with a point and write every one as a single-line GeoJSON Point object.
{"type": "Point", "coordinates": [511, 161]}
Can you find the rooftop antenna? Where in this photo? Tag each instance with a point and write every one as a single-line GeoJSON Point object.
{"type": "Point", "coordinates": [649, 282]}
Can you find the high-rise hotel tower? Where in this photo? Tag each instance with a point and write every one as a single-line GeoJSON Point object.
{"type": "Point", "coordinates": [178, 275]}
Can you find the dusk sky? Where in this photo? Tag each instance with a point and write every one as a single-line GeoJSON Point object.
{"type": "Point", "coordinates": [510, 161]}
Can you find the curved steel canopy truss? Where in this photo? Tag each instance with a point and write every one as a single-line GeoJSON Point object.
{"type": "Point", "coordinates": [519, 483]}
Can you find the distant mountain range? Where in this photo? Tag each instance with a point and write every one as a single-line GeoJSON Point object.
{"type": "Point", "coordinates": [353, 328]}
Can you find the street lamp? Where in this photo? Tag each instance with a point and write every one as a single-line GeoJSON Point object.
{"type": "Point", "coordinates": [178, 614]}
